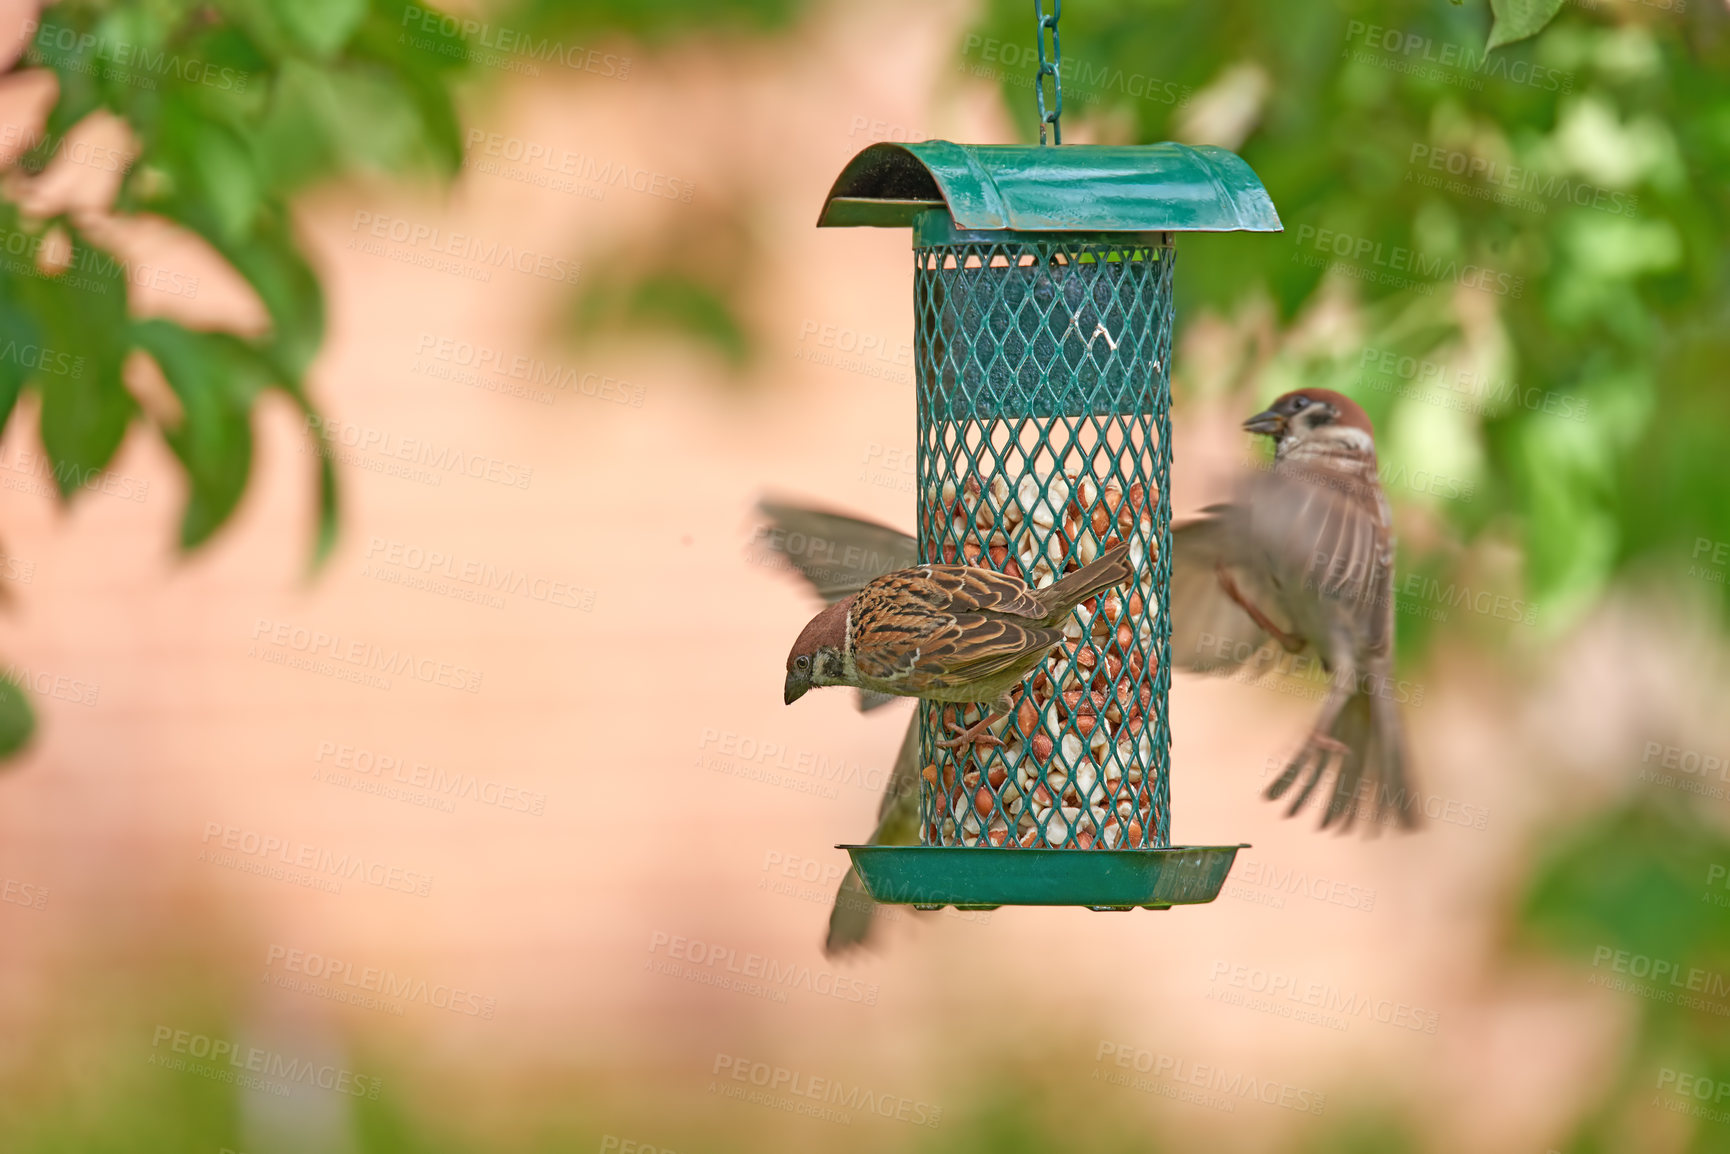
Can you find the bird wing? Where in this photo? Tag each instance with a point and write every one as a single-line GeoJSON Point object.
{"type": "Point", "coordinates": [1325, 531]}
{"type": "Point", "coordinates": [1210, 632]}
{"type": "Point", "coordinates": [970, 587]}
{"type": "Point", "coordinates": [976, 647]}
{"type": "Point", "coordinates": [836, 553]}
{"type": "Point", "coordinates": [851, 917]}
{"type": "Point", "coordinates": [922, 629]}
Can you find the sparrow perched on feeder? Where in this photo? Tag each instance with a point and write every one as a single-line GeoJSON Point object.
{"type": "Point", "coordinates": [951, 633]}
{"type": "Point", "coordinates": [838, 555]}
{"type": "Point", "coordinates": [1303, 557]}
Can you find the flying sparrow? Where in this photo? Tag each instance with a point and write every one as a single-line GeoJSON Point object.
{"type": "Point", "coordinates": [1303, 558]}
{"type": "Point", "coordinates": [952, 633]}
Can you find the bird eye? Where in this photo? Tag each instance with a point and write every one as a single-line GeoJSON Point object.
{"type": "Point", "coordinates": [1298, 403]}
{"type": "Point", "coordinates": [801, 663]}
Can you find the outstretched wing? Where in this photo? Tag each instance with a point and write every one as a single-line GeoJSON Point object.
{"type": "Point", "coordinates": [1327, 532]}
{"type": "Point", "coordinates": [1211, 632]}
{"type": "Point", "coordinates": [836, 553]}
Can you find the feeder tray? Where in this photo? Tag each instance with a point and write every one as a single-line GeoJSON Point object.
{"type": "Point", "coordinates": [930, 877]}
{"type": "Point", "coordinates": [1043, 313]}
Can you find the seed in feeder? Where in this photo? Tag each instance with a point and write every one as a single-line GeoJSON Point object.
{"type": "Point", "coordinates": [1031, 502]}
{"type": "Point", "coordinates": [1101, 521]}
{"type": "Point", "coordinates": [1111, 768]}
{"type": "Point", "coordinates": [1086, 494]}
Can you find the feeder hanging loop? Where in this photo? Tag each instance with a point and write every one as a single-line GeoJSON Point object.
{"type": "Point", "coordinates": [1048, 67]}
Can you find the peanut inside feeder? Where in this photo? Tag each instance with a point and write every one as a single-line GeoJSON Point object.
{"type": "Point", "coordinates": [1042, 444]}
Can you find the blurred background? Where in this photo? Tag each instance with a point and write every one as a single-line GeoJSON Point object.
{"type": "Point", "coordinates": [393, 666]}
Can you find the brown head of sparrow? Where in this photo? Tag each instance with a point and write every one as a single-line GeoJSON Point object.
{"type": "Point", "coordinates": [953, 633]}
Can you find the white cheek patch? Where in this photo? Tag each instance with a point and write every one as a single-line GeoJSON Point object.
{"type": "Point", "coordinates": [1356, 438]}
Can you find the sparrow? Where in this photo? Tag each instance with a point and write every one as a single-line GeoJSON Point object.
{"type": "Point", "coordinates": [949, 633]}
{"type": "Point", "coordinates": [1302, 558]}
{"type": "Point", "coordinates": [838, 554]}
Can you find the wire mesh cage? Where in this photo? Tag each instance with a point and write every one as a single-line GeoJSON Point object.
{"type": "Point", "coordinates": [1043, 310]}
{"type": "Point", "coordinates": [1043, 441]}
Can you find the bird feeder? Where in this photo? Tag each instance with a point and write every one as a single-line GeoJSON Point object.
{"type": "Point", "coordinates": [1042, 294]}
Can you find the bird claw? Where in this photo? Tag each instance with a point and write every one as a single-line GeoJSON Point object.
{"type": "Point", "coordinates": [973, 734]}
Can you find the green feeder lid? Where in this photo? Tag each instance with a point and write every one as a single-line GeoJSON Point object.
{"type": "Point", "coordinates": [1068, 188]}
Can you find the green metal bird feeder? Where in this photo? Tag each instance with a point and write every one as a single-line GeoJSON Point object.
{"type": "Point", "coordinates": [1042, 292]}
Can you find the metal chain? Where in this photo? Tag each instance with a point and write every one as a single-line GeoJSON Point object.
{"type": "Point", "coordinates": [1049, 67]}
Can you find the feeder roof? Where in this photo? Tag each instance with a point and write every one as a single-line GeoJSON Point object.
{"type": "Point", "coordinates": [1066, 188]}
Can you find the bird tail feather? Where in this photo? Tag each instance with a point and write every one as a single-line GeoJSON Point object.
{"type": "Point", "coordinates": [1109, 570]}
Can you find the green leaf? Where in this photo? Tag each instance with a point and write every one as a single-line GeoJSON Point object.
{"type": "Point", "coordinates": [1518, 19]}
{"type": "Point", "coordinates": [84, 414]}
{"type": "Point", "coordinates": [272, 263]}
{"type": "Point", "coordinates": [216, 377]}
{"type": "Point", "coordinates": [20, 345]}
{"type": "Point", "coordinates": [667, 299]}
{"type": "Point", "coordinates": [320, 26]}
{"type": "Point", "coordinates": [325, 528]}
{"type": "Point", "coordinates": [17, 719]}
{"type": "Point", "coordinates": [230, 181]}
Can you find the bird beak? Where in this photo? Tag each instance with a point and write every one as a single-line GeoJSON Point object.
{"type": "Point", "coordinates": [1268, 423]}
{"type": "Point", "coordinates": [796, 687]}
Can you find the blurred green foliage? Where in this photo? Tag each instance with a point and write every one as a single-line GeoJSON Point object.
{"type": "Point", "coordinates": [1593, 300]}
{"type": "Point", "coordinates": [234, 108]}
{"type": "Point", "coordinates": [1635, 901]}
